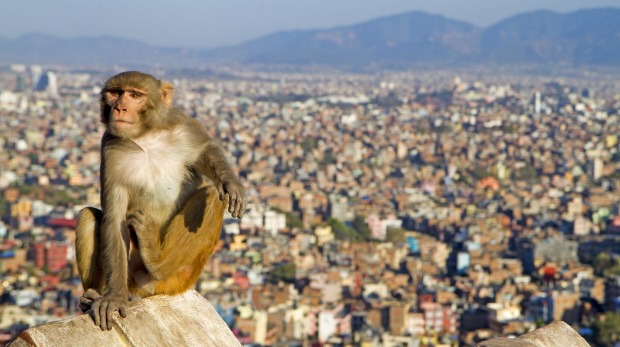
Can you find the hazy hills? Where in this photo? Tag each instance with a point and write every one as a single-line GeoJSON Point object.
{"type": "Point", "coordinates": [587, 37]}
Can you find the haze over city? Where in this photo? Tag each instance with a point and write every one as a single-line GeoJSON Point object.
{"type": "Point", "coordinates": [208, 24]}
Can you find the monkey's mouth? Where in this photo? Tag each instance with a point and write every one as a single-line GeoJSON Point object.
{"type": "Point", "coordinates": [122, 121]}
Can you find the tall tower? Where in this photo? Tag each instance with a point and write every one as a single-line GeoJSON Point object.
{"type": "Point", "coordinates": [537, 103]}
{"type": "Point", "coordinates": [52, 86]}
{"type": "Point", "coordinates": [48, 83]}
{"type": "Point", "coordinates": [35, 75]}
{"type": "Point", "coordinates": [595, 167]}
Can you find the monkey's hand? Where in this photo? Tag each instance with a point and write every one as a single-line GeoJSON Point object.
{"type": "Point", "coordinates": [235, 192]}
{"type": "Point", "coordinates": [86, 300]}
{"type": "Point", "coordinates": [103, 307]}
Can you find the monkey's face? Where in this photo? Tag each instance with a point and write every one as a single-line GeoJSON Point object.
{"type": "Point", "coordinates": [133, 103]}
{"type": "Point", "coordinates": [126, 108]}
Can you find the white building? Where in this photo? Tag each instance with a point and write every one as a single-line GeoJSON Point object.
{"type": "Point", "coordinates": [253, 217]}
{"type": "Point", "coordinates": [274, 222]}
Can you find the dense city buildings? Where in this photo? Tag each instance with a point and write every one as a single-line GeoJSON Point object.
{"type": "Point", "coordinates": [395, 209]}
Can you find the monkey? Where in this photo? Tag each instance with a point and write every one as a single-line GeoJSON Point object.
{"type": "Point", "coordinates": [165, 185]}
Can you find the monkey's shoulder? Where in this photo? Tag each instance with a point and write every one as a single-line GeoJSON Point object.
{"type": "Point", "coordinates": [191, 128]}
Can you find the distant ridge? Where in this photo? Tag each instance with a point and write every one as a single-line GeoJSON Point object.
{"type": "Point", "coordinates": [583, 38]}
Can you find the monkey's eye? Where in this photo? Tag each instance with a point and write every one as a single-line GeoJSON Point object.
{"type": "Point", "coordinates": [113, 94]}
{"type": "Point", "coordinates": [135, 95]}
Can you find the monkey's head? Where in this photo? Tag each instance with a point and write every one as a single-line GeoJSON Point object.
{"type": "Point", "coordinates": [133, 103]}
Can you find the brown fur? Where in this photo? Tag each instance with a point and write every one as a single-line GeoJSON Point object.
{"type": "Point", "coordinates": [160, 218]}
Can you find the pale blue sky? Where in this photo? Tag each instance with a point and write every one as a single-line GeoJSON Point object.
{"type": "Point", "coordinates": [212, 23]}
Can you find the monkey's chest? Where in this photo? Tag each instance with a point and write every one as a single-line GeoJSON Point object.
{"type": "Point", "coordinates": [154, 175]}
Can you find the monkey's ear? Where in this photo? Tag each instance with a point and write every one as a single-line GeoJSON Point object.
{"type": "Point", "coordinates": [167, 90]}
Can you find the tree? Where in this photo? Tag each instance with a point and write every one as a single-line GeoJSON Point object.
{"type": "Point", "coordinates": [308, 144]}
{"type": "Point", "coordinates": [343, 232]}
{"type": "Point", "coordinates": [4, 206]}
{"type": "Point", "coordinates": [602, 262]}
{"type": "Point", "coordinates": [605, 264]}
{"type": "Point", "coordinates": [361, 227]}
{"type": "Point", "coordinates": [527, 173]}
{"type": "Point", "coordinates": [292, 221]}
{"type": "Point", "coordinates": [58, 197]}
{"type": "Point", "coordinates": [607, 329]}
{"type": "Point", "coordinates": [285, 272]}
{"type": "Point", "coordinates": [328, 157]}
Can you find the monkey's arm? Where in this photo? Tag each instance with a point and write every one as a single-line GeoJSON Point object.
{"type": "Point", "coordinates": [114, 241]}
{"type": "Point", "coordinates": [213, 164]}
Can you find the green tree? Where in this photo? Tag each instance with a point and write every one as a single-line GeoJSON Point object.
{"type": "Point", "coordinates": [3, 206]}
{"type": "Point", "coordinates": [58, 197]}
{"type": "Point", "coordinates": [328, 157]}
{"type": "Point", "coordinates": [34, 158]}
{"type": "Point", "coordinates": [292, 221]}
{"type": "Point", "coordinates": [539, 323]}
{"type": "Point", "coordinates": [285, 272]}
{"type": "Point", "coordinates": [361, 227]}
{"type": "Point", "coordinates": [607, 329]}
{"type": "Point", "coordinates": [343, 232]}
{"type": "Point", "coordinates": [308, 144]}
{"type": "Point", "coordinates": [527, 173]}
{"type": "Point", "coordinates": [602, 262]}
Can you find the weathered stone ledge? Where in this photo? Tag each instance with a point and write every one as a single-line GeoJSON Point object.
{"type": "Point", "coordinates": [556, 334]}
{"type": "Point", "coordinates": [181, 320]}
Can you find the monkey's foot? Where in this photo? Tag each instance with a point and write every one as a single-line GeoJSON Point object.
{"type": "Point", "coordinates": [136, 220]}
{"type": "Point", "coordinates": [86, 300]}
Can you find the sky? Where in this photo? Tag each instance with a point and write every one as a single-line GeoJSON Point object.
{"type": "Point", "coordinates": [215, 23]}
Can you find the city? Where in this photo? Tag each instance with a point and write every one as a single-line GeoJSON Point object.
{"type": "Point", "coordinates": [390, 209]}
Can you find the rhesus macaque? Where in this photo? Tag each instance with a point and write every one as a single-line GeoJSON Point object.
{"type": "Point", "coordinates": [160, 218]}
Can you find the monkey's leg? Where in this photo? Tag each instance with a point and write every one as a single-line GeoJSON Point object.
{"type": "Point", "coordinates": [187, 243]}
{"type": "Point", "coordinates": [87, 255]}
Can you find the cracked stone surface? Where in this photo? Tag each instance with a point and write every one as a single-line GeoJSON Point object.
{"type": "Point", "coordinates": [180, 320]}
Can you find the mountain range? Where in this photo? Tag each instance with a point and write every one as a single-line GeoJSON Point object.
{"type": "Point", "coordinates": [588, 37]}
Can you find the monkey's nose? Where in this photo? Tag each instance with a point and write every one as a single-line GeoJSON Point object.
{"type": "Point", "coordinates": [120, 108]}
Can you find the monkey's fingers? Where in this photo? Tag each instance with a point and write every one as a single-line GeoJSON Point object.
{"type": "Point", "coordinates": [85, 304]}
{"type": "Point", "coordinates": [241, 209]}
{"type": "Point", "coordinates": [103, 317]}
{"type": "Point", "coordinates": [220, 190]}
{"type": "Point", "coordinates": [85, 300]}
{"type": "Point", "coordinates": [232, 202]}
{"type": "Point", "coordinates": [95, 313]}
{"type": "Point", "coordinates": [91, 294]}
{"type": "Point", "coordinates": [108, 314]}
{"type": "Point", "coordinates": [240, 204]}
{"type": "Point", "coordinates": [122, 310]}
